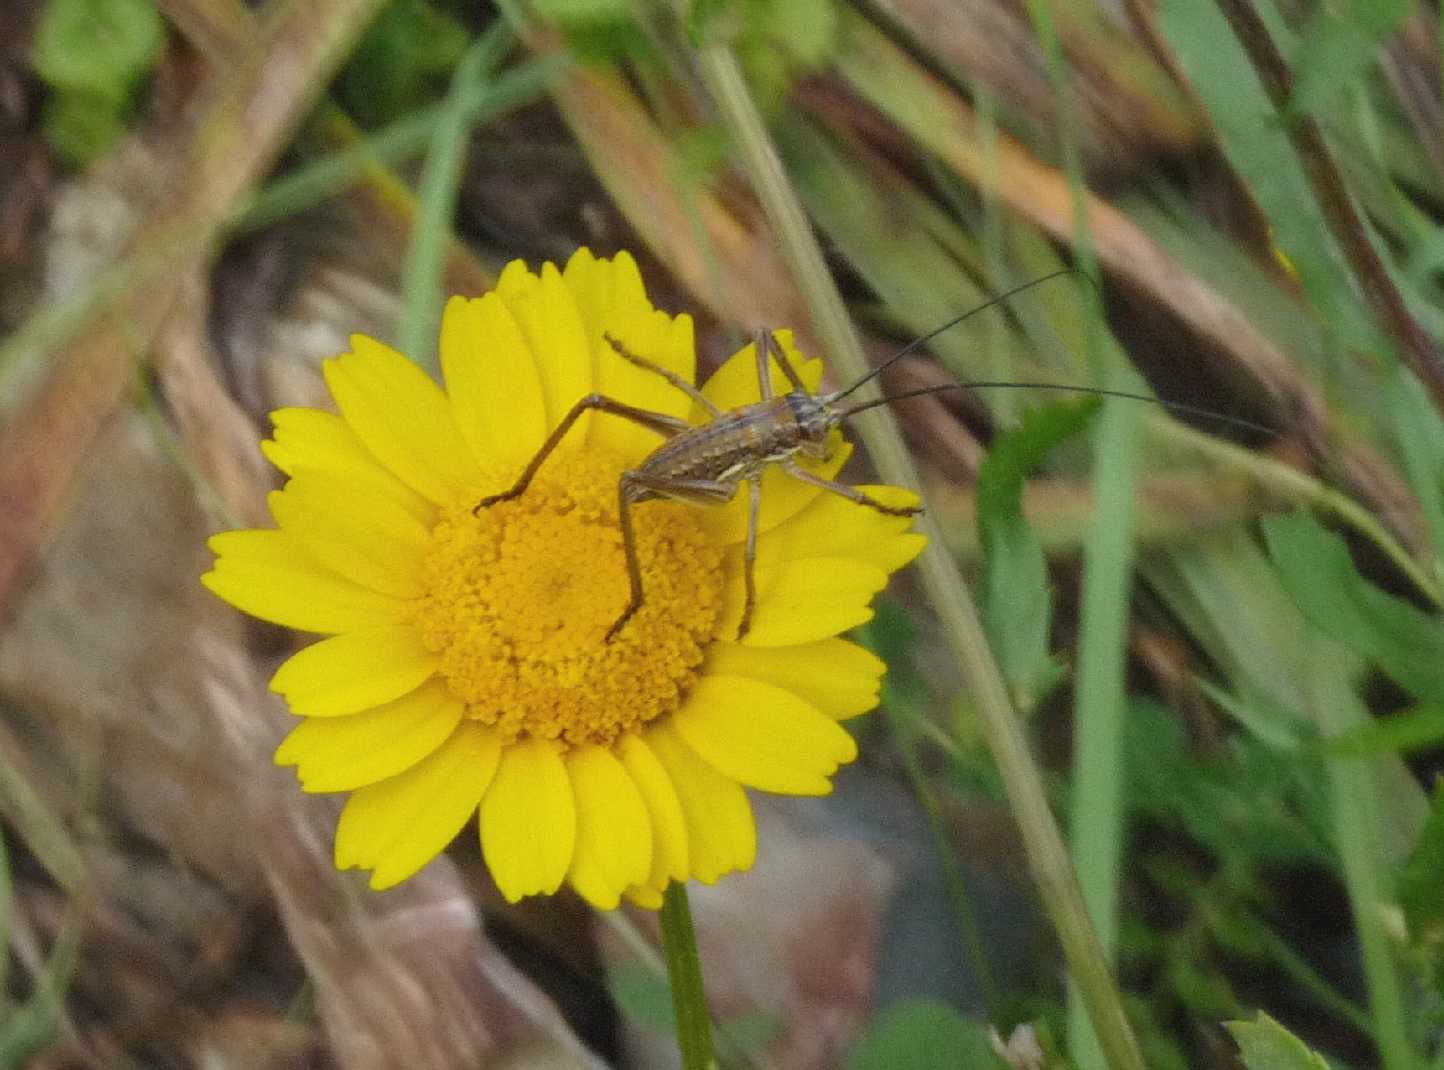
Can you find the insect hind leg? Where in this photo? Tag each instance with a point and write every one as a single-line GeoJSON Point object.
{"type": "Point", "coordinates": [852, 494]}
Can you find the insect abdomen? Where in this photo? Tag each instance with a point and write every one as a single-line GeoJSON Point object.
{"type": "Point", "coordinates": [729, 446]}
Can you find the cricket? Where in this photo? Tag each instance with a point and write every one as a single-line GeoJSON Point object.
{"type": "Point", "coordinates": [707, 464]}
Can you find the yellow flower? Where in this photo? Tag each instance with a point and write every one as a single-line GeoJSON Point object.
{"type": "Point", "coordinates": [467, 668]}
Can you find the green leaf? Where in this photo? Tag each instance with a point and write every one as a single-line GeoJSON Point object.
{"type": "Point", "coordinates": [1419, 432]}
{"type": "Point", "coordinates": [404, 61]}
{"type": "Point", "coordinates": [1257, 145]}
{"type": "Point", "coordinates": [1423, 877]}
{"type": "Point", "coordinates": [566, 12]}
{"type": "Point", "coordinates": [643, 996]}
{"type": "Point", "coordinates": [807, 29]}
{"type": "Point", "coordinates": [80, 125]}
{"type": "Point", "coordinates": [92, 54]}
{"type": "Point", "coordinates": [1339, 45]}
{"type": "Point", "coordinates": [1266, 1045]}
{"type": "Point", "coordinates": [1400, 733]}
{"type": "Point", "coordinates": [705, 17]}
{"type": "Point", "coordinates": [1017, 602]}
{"type": "Point", "coordinates": [923, 1034]}
{"type": "Point", "coordinates": [1314, 566]}
{"type": "Point", "coordinates": [103, 47]}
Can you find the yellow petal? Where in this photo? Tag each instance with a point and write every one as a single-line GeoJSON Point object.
{"type": "Point", "coordinates": [397, 826]}
{"type": "Point", "coordinates": [605, 289]}
{"type": "Point", "coordinates": [614, 834]}
{"type": "Point", "coordinates": [547, 315]}
{"type": "Point", "coordinates": [832, 526]}
{"type": "Point", "coordinates": [669, 828]}
{"type": "Point", "coordinates": [314, 441]}
{"type": "Point", "coordinates": [721, 836]}
{"type": "Point", "coordinates": [491, 378]}
{"type": "Point", "coordinates": [363, 537]}
{"type": "Point", "coordinates": [354, 671]}
{"type": "Point", "coordinates": [612, 300]}
{"type": "Point", "coordinates": [403, 418]}
{"type": "Point", "coordinates": [268, 575]}
{"type": "Point", "coordinates": [529, 820]}
{"type": "Point", "coordinates": [839, 678]}
{"type": "Point", "coordinates": [344, 753]}
{"type": "Point", "coordinates": [763, 736]}
{"type": "Point", "coordinates": [800, 601]}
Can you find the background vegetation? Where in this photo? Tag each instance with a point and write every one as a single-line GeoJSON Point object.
{"type": "Point", "coordinates": [1222, 641]}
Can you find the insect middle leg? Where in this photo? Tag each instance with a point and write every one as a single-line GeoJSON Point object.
{"type": "Point", "coordinates": [664, 425]}
{"type": "Point", "coordinates": [765, 345]}
{"type": "Point", "coordinates": [638, 486]}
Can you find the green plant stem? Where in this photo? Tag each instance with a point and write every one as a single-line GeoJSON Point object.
{"type": "Point", "coordinates": [1048, 859]}
{"type": "Point", "coordinates": [684, 971]}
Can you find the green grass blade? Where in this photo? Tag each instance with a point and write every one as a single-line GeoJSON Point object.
{"type": "Point", "coordinates": [436, 199]}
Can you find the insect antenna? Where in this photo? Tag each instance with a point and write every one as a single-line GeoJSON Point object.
{"type": "Point", "coordinates": [916, 343]}
{"type": "Point", "coordinates": [1097, 391]}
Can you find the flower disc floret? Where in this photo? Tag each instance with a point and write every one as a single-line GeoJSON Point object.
{"type": "Point", "coordinates": [520, 597]}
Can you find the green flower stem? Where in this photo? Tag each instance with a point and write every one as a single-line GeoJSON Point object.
{"type": "Point", "coordinates": [1047, 856]}
{"type": "Point", "coordinates": [684, 971]}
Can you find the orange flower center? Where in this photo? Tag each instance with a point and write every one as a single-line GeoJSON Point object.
{"type": "Point", "coordinates": [520, 598]}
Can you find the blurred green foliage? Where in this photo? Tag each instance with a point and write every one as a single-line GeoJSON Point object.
{"type": "Point", "coordinates": [403, 62]}
{"type": "Point", "coordinates": [923, 1035]}
{"type": "Point", "coordinates": [1015, 593]}
{"type": "Point", "coordinates": [92, 55]}
{"type": "Point", "coordinates": [1266, 1045]}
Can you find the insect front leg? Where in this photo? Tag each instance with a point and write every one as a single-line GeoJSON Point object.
{"type": "Point", "coordinates": [664, 425]}
{"type": "Point", "coordinates": [667, 374]}
{"type": "Point", "coordinates": [852, 494]}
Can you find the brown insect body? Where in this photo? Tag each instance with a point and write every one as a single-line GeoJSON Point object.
{"type": "Point", "coordinates": [739, 445]}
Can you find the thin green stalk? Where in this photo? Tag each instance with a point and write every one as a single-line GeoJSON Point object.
{"type": "Point", "coordinates": [1100, 701]}
{"type": "Point", "coordinates": [325, 178]}
{"type": "Point", "coordinates": [1359, 835]}
{"type": "Point", "coordinates": [436, 197]}
{"type": "Point", "coordinates": [1057, 884]}
{"type": "Point", "coordinates": [1302, 972]}
{"type": "Point", "coordinates": [1300, 488]}
{"type": "Point", "coordinates": [684, 971]}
